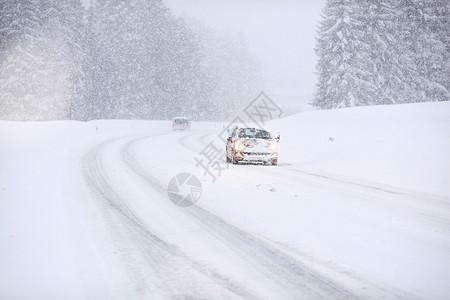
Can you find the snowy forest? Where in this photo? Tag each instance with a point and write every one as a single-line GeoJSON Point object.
{"type": "Point", "coordinates": [128, 59]}
{"type": "Point", "coordinates": [135, 59]}
{"type": "Point", "coordinates": [383, 52]}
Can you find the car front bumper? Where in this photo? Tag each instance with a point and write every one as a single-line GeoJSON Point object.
{"type": "Point", "coordinates": [256, 157]}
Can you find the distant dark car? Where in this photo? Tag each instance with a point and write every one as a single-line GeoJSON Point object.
{"type": "Point", "coordinates": [181, 123]}
{"type": "Point", "coordinates": [251, 145]}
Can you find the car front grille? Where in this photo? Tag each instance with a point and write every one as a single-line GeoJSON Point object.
{"type": "Point", "coordinates": [256, 153]}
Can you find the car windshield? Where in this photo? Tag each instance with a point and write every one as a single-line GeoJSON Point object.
{"type": "Point", "coordinates": [253, 133]}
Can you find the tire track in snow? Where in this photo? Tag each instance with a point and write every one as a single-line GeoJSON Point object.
{"type": "Point", "coordinates": [163, 261]}
{"type": "Point", "coordinates": [283, 270]}
{"type": "Point", "coordinates": [433, 215]}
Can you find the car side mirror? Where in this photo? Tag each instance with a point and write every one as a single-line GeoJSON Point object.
{"type": "Point", "coordinates": [278, 136]}
{"type": "Point", "coordinates": [229, 139]}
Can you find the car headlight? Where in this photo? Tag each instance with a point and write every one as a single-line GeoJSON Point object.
{"type": "Point", "coordinates": [273, 146]}
{"type": "Point", "coordinates": [238, 146]}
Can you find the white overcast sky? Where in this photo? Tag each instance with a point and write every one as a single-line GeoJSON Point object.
{"type": "Point", "coordinates": [281, 33]}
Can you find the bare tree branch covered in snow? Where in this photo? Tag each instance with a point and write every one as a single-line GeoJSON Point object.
{"type": "Point", "coordinates": [383, 52]}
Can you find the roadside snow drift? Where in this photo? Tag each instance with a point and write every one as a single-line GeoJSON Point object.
{"type": "Point", "coordinates": [359, 207]}
{"type": "Point", "coordinates": [400, 145]}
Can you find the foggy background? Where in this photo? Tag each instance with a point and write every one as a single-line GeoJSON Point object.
{"type": "Point", "coordinates": [280, 33]}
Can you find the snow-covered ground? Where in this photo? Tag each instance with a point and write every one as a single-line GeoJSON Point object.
{"type": "Point", "coordinates": [359, 207]}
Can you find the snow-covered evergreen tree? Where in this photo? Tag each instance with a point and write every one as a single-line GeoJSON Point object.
{"type": "Point", "coordinates": [40, 75]}
{"type": "Point", "coordinates": [431, 21]}
{"type": "Point", "coordinates": [64, 33]}
{"type": "Point", "coordinates": [390, 53]}
{"type": "Point", "coordinates": [147, 62]}
{"type": "Point", "coordinates": [26, 89]}
{"type": "Point", "coordinates": [382, 52]}
{"type": "Point", "coordinates": [336, 82]}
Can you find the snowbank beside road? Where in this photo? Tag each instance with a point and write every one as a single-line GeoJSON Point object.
{"type": "Point", "coordinates": [405, 146]}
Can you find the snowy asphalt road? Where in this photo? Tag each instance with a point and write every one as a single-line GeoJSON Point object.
{"type": "Point", "coordinates": [263, 270]}
{"type": "Point", "coordinates": [152, 248]}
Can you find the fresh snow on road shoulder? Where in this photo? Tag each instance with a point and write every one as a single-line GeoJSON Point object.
{"type": "Point", "coordinates": [404, 146]}
{"type": "Point", "coordinates": [36, 234]}
{"type": "Point", "coordinates": [361, 196]}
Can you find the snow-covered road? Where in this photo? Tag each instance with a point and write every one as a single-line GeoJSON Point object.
{"type": "Point", "coordinates": [194, 252]}
{"type": "Point", "coordinates": [85, 214]}
{"type": "Point", "coordinates": [189, 251]}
